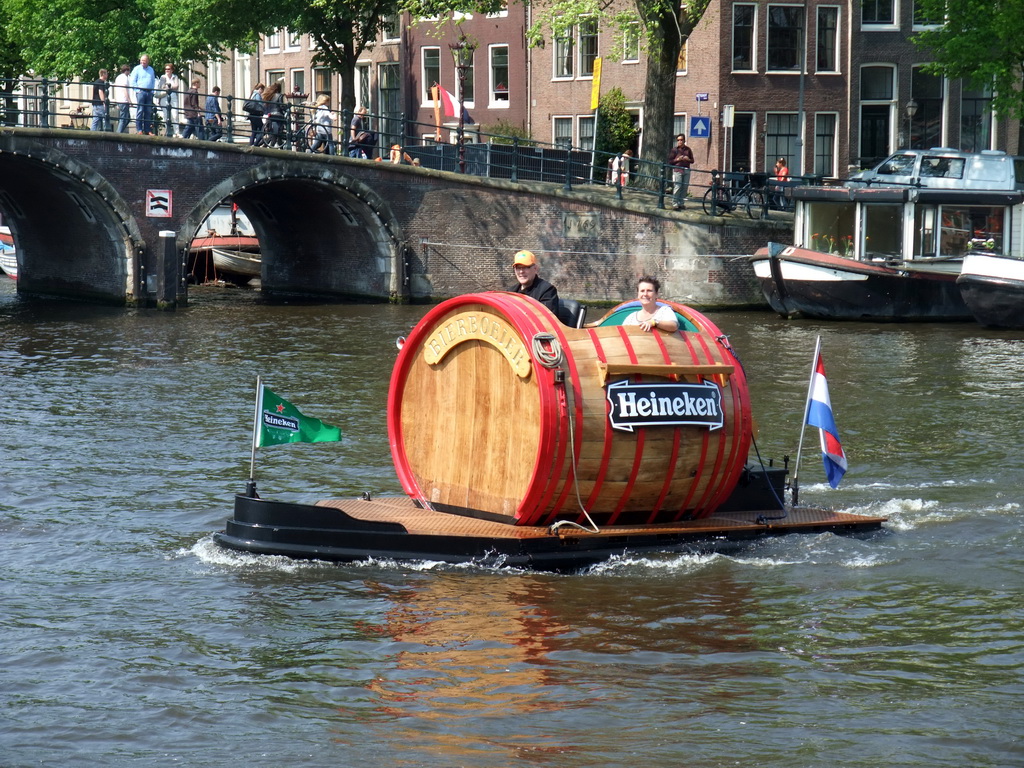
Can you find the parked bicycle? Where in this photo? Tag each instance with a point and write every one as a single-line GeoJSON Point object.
{"type": "Point", "coordinates": [289, 133]}
{"type": "Point", "coordinates": [722, 198]}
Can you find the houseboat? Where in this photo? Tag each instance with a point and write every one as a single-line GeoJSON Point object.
{"type": "Point", "coordinates": [993, 287]}
{"type": "Point", "coordinates": [520, 441]}
{"type": "Point", "coordinates": [888, 244]}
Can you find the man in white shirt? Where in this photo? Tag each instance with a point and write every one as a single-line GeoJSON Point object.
{"type": "Point", "coordinates": [122, 100]}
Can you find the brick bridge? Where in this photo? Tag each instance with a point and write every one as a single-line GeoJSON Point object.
{"type": "Point", "coordinates": [87, 211]}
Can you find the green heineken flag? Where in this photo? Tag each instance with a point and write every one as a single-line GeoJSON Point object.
{"type": "Point", "coordinates": [278, 421]}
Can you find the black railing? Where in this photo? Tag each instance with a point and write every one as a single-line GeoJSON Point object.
{"type": "Point", "coordinates": [44, 103]}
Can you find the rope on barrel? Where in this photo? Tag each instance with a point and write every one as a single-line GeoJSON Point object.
{"type": "Point", "coordinates": [548, 352]}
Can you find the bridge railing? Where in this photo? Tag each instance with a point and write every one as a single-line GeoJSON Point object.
{"type": "Point", "coordinates": [68, 104]}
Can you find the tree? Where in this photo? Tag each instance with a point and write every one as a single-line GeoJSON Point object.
{"type": "Point", "coordinates": [342, 30]}
{"type": "Point", "coordinates": [11, 66]}
{"type": "Point", "coordinates": [74, 38]}
{"type": "Point", "coordinates": [981, 41]}
{"type": "Point", "coordinates": [664, 25]}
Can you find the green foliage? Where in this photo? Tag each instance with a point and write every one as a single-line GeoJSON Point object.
{"type": "Point", "coordinates": [615, 130]}
{"type": "Point", "coordinates": [981, 41]}
{"type": "Point", "coordinates": [76, 37]}
{"type": "Point", "coordinates": [503, 132]}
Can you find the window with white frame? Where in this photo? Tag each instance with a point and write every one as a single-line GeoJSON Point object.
{"type": "Point", "coordinates": [322, 81]}
{"type": "Point", "coordinates": [976, 119]}
{"type": "Point", "coordinates": [586, 129]}
{"type": "Point", "coordinates": [390, 30]}
{"type": "Point", "coordinates": [681, 61]}
{"type": "Point", "coordinates": [878, 13]}
{"type": "Point", "coordinates": [780, 137]}
{"type": "Point", "coordinates": [273, 41]}
{"type": "Point", "coordinates": [500, 14]}
{"type": "Point", "coordinates": [925, 127]}
{"type": "Point", "coordinates": [922, 19]}
{"type": "Point", "coordinates": [468, 81]}
{"type": "Point", "coordinates": [562, 132]}
{"type": "Point", "coordinates": [827, 58]}
{"type": "Point", "coordinates": [294, 40]}
{"type": "Point", "coordinates": [825, 144]}
{"type": "Point", "coordinates": [588, 47]}
{"type": "Point", "coordinates": [678, 125]}
{"type": "Point", "coordinates": [744, 25]}
{"type": "Point", "coordinates": [565, 54]}
{"type": "Point", "coordinates": [363, 85]}
{"type": "Point", "coordinates": [876, 106]}
{"type": "Point", "coordinates": [499, 84]}
{"type": "Point", "coordinates": [430, 63]}
{"type": "Point", "coordinates": [785, 37]}
{"type": "Point", "coordinates": [298, 80]}
{"type": "Point", "coordinates": [631, 43]}
{"type": "Point", "coordinates": [273, 76]}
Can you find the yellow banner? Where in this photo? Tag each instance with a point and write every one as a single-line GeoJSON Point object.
{"type": "Point", "coordinates": [595, 88]}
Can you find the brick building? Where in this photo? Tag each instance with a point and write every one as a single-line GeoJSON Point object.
{"type": "Point", "coordinates": [862, 92]}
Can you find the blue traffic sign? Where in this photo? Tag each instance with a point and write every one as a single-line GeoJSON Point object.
{"type": "Point", "coordinates": [700, 126]}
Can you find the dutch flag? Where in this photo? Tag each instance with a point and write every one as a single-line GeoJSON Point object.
{"type": "Point", "coordinates": [819, 414]}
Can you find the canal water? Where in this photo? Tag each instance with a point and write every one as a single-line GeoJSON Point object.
{"type": "Point", "coordinates": [129, 638]}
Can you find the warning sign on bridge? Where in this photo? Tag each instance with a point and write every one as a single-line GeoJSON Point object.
{"type": "Point", "coordinates": [158, 203]}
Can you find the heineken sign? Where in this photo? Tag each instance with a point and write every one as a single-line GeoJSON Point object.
{"type": "Point", "coordinates": [668, 405]}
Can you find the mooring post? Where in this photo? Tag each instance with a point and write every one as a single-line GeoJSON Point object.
{"type": "Point", "coordinates": [167, 271]}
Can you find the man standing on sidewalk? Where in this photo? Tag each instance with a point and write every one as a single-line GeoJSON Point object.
{"type": "Point", "coordinates": [680, 158]}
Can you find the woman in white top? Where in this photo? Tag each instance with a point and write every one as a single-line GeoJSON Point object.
{"type": "Point", "coordinates": [323, 121]}
{"type": "Point", "coordinates": [652, 315]}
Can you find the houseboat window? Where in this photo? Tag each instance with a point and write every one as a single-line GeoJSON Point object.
{"type": "Point", "coordinates": [924, 226]}
{"type": "Point", "coordinates": [967, 228]}
{"type": "Point", "coordinates": [830, 227]}
{"type": "Point", "coordinates": [883, 230]}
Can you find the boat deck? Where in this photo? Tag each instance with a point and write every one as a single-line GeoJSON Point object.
{"type": "Point", "coordinates": [416, 520]}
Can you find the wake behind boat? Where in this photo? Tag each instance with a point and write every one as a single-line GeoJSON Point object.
{"type": "Point", "coordinates": [521, 441]}
{"type": "Point", "coordinates": [888, 245]}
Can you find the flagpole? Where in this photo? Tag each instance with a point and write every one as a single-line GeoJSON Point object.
{"type": "Point", "coordinates": [250, 487]}
{"type": "Point", "coordinates": [803, 421]}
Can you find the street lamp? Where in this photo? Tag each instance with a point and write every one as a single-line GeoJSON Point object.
{"type": "Point", "coordinates": [462, 52]}
{"type": "Point", "coordinates": [911, 111]}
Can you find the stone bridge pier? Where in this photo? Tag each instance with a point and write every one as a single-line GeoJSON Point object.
{"type": "Point", "coordinates": [87, 211]}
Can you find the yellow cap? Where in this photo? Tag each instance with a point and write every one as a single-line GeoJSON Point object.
{"type": "Point", "coordinates": [524, 258]}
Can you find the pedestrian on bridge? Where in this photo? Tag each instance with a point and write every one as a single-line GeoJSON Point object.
{"type": "Point", "coordinates": [122, 98]}
{"type": "Point", "coordinates": [273, 107]}
{"type": "Point", "coordinates": [253, 108]}
{"type": "Point", "coordinates": [168, 88]}
{"type": "Point", "coordinates": [680, 158]}
{"type": "Point", "coordinates": [101, 103]}
{"type": "Point", "coordinates": [214, 117]}
{"type": "Point", "coordinates": [323, 121]}
{"type": "Point", "coordinates": [142, 82]}
{"type": "Point", "coordinates": [193, 114]}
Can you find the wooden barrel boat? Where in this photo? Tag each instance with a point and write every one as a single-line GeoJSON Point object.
{"type": "Point", "coordinates": [498, 411]}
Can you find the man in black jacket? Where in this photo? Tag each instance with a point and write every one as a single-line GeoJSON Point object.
{"type": "Point", "coordinates": [528, 282]}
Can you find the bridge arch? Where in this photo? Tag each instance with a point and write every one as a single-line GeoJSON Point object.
{"type": "Point", "coordinates": [74, 233]}
{"type": "Point", "coordinates": [322, 232]}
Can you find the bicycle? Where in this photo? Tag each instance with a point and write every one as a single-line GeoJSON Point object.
{"type": "Point", "coordinates": [751, 197]}
{"type": "Point", "coordinates": [289, 133]}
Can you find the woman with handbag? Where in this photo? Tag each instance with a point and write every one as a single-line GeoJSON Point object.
{"type": "Point", "coordinates": [273, 106]}
{"type": "Point", "coordinates": [253, 108]}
